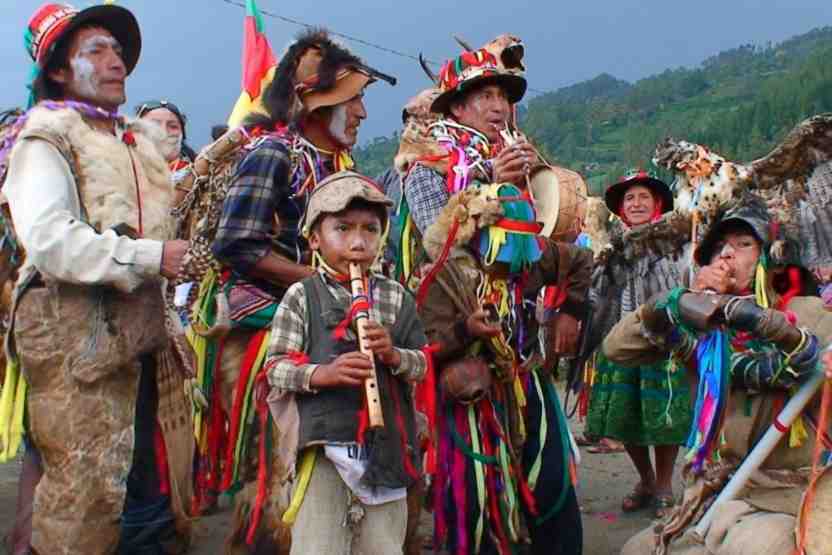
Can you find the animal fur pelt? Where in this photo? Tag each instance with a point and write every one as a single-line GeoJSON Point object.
{"type": "Point", "coordinates": [508, 51]}
{"type": "Point", "coordinates": [473, 208]}
{"type": "Point", "coordinates": [417, 142]}
{"type": "Point", "coordinates": [103, 174]}
{"type": "Point", "coordinates": [705, 181]}
{"type": "Point", "coordinates": [598, 224]}
{"type": "Point", "coordinates": [707, 184]}
{"type": "Point", "coordinates": [816, 223]}
{"type": "Point", "coordinates": [280, 98]}
{"type": "Point", "coordinates": [664, 237]}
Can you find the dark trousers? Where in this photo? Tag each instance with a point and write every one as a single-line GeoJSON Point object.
{"type": "Point", "coordinates": [147, 523]}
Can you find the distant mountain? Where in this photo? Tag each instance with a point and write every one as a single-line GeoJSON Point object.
{"type": "Point", "coordinates": [739, 102]}
{"type": "Point", "coordinates": [603, 87]}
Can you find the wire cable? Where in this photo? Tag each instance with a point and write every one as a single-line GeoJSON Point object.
{"type": "Point", "coordinates": [352, 38]}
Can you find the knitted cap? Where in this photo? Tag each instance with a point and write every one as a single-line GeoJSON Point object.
{"type": "Point", "coordinates": [51, 22]}
{"type": "Point", "coordinates": [335, 193]}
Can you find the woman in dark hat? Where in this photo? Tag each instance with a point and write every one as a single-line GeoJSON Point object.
{"type": "Point", "coordinates": [646, 406]}
{"type": "Point", "coordinates": [639, 198]}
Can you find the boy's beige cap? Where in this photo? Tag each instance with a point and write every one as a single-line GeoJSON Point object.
{"type": "Point", "coordinates": [335, 193]}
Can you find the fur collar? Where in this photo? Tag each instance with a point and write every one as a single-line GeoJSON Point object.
{"type": "Point", "coordinates": [103, 170]}
{"type": "Point", "coordinates": [662, 238]}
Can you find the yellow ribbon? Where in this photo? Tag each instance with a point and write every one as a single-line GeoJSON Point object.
{"type": "Point", "coordinates": [797, 433]}
{"type": "Point", "coordinates": [12, 409]}
{"type": "Point", "coordinates": [343, 161]}
{"type": "Point", "coordinates": [200, 347]}
{"type": "Point", "coordinates": [760, 286]}
{"type": "Point", "coordinates": [407, 248]}
{"type": "Point", "coordinates": [307, 465]}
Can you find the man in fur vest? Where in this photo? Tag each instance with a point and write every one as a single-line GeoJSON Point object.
{"type": "Point", "coordinates": [90, 197]}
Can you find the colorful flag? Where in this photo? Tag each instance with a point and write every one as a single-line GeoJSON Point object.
{"type": "Point", "coordinates": [259, 65]}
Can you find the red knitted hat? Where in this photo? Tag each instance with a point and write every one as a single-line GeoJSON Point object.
{"type": "Point", "coordinates": [51, 22]}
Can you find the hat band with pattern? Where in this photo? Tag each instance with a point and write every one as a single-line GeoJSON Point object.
{"type": "Point", "coordinates": [47, 28]}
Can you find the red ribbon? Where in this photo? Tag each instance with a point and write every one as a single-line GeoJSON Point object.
{"type": "Point", "coordinates": [519, 226]}
{"type": "Point", "coordinates": [434, 271]}
{"type": "Point", "coordinates": [262, 391]}
{"type": "Point", "coordinates": [360, 304]}
{"type": "Point", "coordinates": [161, 453]}
{"type": "Point", "coordinates": [426, 404]}
{"type": "Point", "coordinates": [236, 412]}
{"type": "Point", "coordinates": [554, 296]}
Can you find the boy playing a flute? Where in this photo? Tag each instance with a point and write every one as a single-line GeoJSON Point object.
{"type": "Point", "coordinates": [350, 483]}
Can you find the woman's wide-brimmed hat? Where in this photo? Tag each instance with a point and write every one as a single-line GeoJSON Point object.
{"type": "Point", "coordinates": [53, 22]}
{"type": "Point", "coordinates": [473, 69]}
{"type": "Point", "coordinates": [615, 192]}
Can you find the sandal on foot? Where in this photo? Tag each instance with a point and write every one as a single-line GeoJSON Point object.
{"type": "Point", "coordinates": [664, 505]}
{"type": "Point", "coordinates": [606, 446]}
{"type": "Point", "coordinates": [636, 500]}
{"type": "Point", "coordinates": [585, 440]}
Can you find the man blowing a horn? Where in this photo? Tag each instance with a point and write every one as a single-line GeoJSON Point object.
{"type": "Point", "coordinates": [754, 335]}
{"type": "Point", "coordinates": [90, 197]}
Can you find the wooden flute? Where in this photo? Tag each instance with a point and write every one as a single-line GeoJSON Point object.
{"type": "Point", "coordinates": [361, 318]}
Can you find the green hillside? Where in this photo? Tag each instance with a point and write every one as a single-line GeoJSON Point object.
{"type": "Point", "coordinates": [739, 102]}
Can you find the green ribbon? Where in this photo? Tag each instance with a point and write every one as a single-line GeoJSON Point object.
{"type": "Point", "coordinates": [564, 438]}
{"type": "Point", "coordinates": [460, 443]}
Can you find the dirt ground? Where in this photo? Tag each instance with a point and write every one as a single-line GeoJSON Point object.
{"type": "Point", "coordinates": [604, 480]}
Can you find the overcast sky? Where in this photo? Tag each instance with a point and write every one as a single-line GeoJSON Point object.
{"type": "Point", "coordinates": [191, 52]}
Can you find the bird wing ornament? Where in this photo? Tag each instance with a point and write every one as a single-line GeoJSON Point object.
{"type": "Point", "coordinates": [806, 147]}
{"type": "Point", "coordinates": [794, 179]}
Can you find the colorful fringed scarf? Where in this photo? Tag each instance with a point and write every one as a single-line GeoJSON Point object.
{"type": "Point", "coordinates": [513, 240]}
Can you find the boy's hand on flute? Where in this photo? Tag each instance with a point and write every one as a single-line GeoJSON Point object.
{"type": "Point", "coordinates": [379, 341]}
{"type": "Point", "coordinates": [349, 369]}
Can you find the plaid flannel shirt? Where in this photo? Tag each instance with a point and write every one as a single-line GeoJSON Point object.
{"type": "Point", "coordinates": [427, 194]}
{"type": "Point", "coordinates": [261, 213]}
{"type": "Point", "coordinates": [290, 332]}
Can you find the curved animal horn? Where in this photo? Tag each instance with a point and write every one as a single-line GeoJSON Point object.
{"type": "Point", "coordinates": [463, 44]}
{"type": "Point", "coordinates": [431, 75]}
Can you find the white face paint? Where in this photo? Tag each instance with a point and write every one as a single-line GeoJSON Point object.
{"type": "Point", "coordinates": [171, 147]}
{"type": "Point", "coordinates": [83, 72]}
{"type": "Point", "coordinates": [338, 124]}
{"type": "Point", "coordinates": [87, 82]}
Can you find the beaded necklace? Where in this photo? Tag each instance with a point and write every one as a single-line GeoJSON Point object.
{"type": "Point", "coordinates": [468, 151]}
